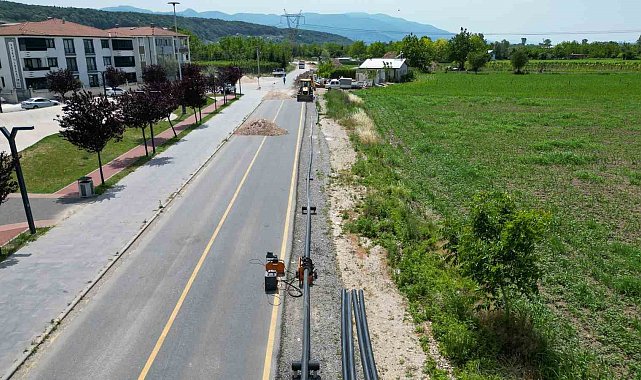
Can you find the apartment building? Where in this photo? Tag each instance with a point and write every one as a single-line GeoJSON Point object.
{"type": "Point", "coordinates": [156, 46]}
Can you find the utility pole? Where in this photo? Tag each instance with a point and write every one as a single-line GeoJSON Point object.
{"type": "Point", "coordinates": [11, 136]}
{"type": "Point", "coordinates": [293, 23]}
{"type": "Point", "coordinates": [258, 60]}
{"type": "Point", "coordinates": [180, 70]}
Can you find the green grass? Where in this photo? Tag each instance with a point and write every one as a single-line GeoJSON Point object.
{"type": "Point", "coordinates": [53, 163]}
{"type": "Point", "coordinates": [571, 65]}
{"type": "Point", "coordinates": [565, 144]}
{"type": "Point", "coordinates": [20, 241]}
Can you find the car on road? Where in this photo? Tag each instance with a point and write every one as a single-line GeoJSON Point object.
{"type": "Point", "coordinates": [114, 91]}
{"type": "Point", "coordinates": [33, 103]}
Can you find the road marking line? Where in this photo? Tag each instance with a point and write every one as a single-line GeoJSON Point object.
{"type": "Point", "coordinates": [283, 251]}
{"type": "Point", "coordinates": [203, 256]}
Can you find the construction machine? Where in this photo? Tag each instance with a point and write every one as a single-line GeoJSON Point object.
{"type": "Point", "coordinates": [305, 91]}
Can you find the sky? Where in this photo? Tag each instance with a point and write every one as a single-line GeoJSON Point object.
{"type": "Point", "coordinates": [496, 18]}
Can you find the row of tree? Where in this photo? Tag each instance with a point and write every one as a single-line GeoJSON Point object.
{"type": "Point", "coordinates": [89, 122]}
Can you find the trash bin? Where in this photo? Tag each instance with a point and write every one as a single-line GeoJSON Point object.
{"type": "Point", "coordinates": [85, 187]}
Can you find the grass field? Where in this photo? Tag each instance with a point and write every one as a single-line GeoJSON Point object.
{"type": "Point", "coordinates": [565, 144]}
{"type": "Point", "coordinates": [571, 65]}
{"type": "Point", "coordinates": [53, 163]}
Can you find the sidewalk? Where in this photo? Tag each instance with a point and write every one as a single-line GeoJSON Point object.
{"type": "Point", "coordinates": [10, 230]}
{"type": "Point", "coordinates": [43, 278]}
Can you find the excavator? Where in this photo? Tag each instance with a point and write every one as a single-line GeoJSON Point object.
{"type": "Point", "coordinates": [305, 91]}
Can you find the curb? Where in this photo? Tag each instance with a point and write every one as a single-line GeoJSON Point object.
{"type": "Point", "coordinates": [57, 321]}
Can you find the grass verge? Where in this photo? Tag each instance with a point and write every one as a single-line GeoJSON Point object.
{"type": "Point", "coordinates": [53, 163]}
{"type": "Point", "coordinates": [565, 144]}
{"type": "Point", "coordinates": [20, 241]}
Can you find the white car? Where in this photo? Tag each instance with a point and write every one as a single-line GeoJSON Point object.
{"type": "Point", "coordinates": [334, 84]}
{"type": "Point", "coordinates": [33, 103]}
{"type": "Point", "coordinates": [114, 91]}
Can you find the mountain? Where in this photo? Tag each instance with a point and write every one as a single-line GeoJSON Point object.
{"type": "Point", "coordinates": [355, 26]}
{"type": "Point", "coordinates": [206, 29]}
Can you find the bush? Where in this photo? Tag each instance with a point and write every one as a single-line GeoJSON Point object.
{"type": "Point", "coordinates": [497, 248]}
{"type": "Point", "coordinates": [519, 59]}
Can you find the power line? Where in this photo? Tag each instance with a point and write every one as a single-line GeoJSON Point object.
{"type": "Point", "coordinates": [622, 31]}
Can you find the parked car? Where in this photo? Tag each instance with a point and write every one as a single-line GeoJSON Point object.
{"type": "Point", "coordinates": [114, 91]}
{"type": "Point", "coordinates": [345, 83]}
{"type": "Point", "coordinates": [334, 84]}
{"type": "Point", "coordinates": [358, 84]}
{"type": "Point", "coordinates": [33, 103]}
{"type": "Point", "coordinates": [279, 72]}
{"type": "Point", "coordinates": [230, 88]}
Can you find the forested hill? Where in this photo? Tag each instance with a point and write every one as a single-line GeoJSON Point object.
{"type": "Point", "coordinates": [206, 29]}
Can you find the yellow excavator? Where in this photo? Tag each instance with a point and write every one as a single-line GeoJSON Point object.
{"type": "Point", "coordinates": [305, 91]}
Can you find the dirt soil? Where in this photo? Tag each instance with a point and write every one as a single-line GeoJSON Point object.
{"type": "Point", "coordinates": [396, 345]}
{"type": "Point", "coordinates": [260, 127]}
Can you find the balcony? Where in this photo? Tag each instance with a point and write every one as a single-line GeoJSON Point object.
{"type": "Point", "coordinates": [35, 68]}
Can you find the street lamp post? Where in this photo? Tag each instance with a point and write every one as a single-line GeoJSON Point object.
{"type": "Point", "coordinates": [104, 84]}
{"type": "Point", "coordinates": [258, 59]}
{"type": "Point", "coordinates": [11, 136]}
{"type": "Point", "coordinates": [180, 71]}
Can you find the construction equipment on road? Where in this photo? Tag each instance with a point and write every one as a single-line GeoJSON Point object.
{"type": "Point", "coordinates": [305, 90]}
{"type": "Point", "coordinates": [274, 271]}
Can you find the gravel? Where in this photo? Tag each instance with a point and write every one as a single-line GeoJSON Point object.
{"type": "Point", "coordinates": [325, 294]}
{"type": "Point", "coordinates": [260, 127]}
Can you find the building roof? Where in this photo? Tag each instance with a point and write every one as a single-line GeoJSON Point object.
{"type": "Point", "coordinates": [382, 63]}
{"type": "Point", "coordinates": [51, 27]}
{"type": "Point", "coordinates": [143, 31]}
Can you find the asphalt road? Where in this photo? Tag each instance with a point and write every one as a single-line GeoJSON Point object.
{"type": "Point", "coordinates": [186, 302]}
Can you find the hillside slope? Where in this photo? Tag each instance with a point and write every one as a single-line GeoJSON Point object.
{"type": "Point", "coordinates": [206, 29]}
{"type": "Point", "coordinates": [355, 26]}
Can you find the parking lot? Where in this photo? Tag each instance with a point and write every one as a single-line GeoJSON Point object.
{"type": "Point", "coordinates": [42, 119]}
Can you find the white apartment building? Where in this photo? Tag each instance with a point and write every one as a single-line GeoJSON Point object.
{"type": "Point", "coordinates": [29, 50]}
{"type": "Point", "coordinates": [156, 46]}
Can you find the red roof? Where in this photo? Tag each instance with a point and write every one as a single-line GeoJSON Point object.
{"type": "Point", "coordinates": [140, 31]}
{"type": "Point", "coordinates": [51, 27]}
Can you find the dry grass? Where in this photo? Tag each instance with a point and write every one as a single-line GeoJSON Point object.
{"type": "Point", "coordinates": [365, 127]}
{"type": "Point", "coordinates": [355, 99]}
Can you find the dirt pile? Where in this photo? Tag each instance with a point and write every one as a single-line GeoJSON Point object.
{"type": "Point", "coordinates": [260, 127]}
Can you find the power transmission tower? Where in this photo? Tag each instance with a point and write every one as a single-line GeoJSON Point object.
{"type": "Point", "coordinates": [293, 23]}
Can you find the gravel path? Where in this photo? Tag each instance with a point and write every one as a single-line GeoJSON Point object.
{"type": "Point", "coordinates": [325, 294]}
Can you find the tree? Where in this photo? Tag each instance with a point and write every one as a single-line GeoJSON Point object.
{"type": "Point", "coordinates": [154, 75]}
{"type": "Point", "coordinates": [7, 184]}
{"type": "Point", "coordinates": [166, 101]}
{"type": "Point", "coordinates": [358, 49]}
{"type": "Point", "coordinates": [62, 81]}
{"type": "Point", "coordinates": [477, 60]}
{"type": "Point", "coordinates": [497, 247]}
{"type": "Point", "coordinates": [114, 77]}
{"type": "Point", "coordinates": [192, 89]}
{"type": "Point", "coordinates": [416, 52]}
{"type": "Point", "coordinates": [519, 59]}
{"type": "Point", "coordinates": [135, 111]}
{"type": "Point", "coordinates": [460, 47]}
{"type": "Point", "coordinates": [376, 50]}
{"type": "Point", "coordinates": [90, 123]}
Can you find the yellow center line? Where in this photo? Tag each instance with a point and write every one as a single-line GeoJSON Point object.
{"type": "Point", "coordinates": [283, 252]}
{"type": "Point", "coordinates": [192, 278]}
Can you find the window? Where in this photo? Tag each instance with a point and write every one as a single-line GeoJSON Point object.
{"type": "Point", "coordinates": [93, 80]}
{"type": "Point", "coordinates": [51, 44]}
{"type": "Point", "coordinates": [33, 64]}
{"type": "Point", "coordinates": [104, 44]}
{"type": "Point", "coordinates": [52, 62]}
{"type": "Point", "coordinates": [69, 46]}
{"type": "Point", "coordinates": [122, 44]}
{"type": "Point", "coordinates": [131, 77]}
{"type": "Point", "coordinates": [36, 83]}
{"type": "Point", "coordinates": [32, 44]}
{"type": "Point", "coordinates": [72, 64]}
{"type": "Point", "coordinates": [124, 62]}
{"type": "Point", "coordinates": [3, 85]}
{"type": "Point", "coordinates": [88, 46]}
{"type": "Point", "coordinates": [106, 61]}
{"type": "Point", "coordinates": [91, 64]}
